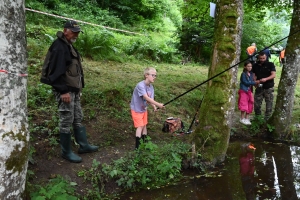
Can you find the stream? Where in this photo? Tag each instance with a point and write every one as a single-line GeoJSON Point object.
{"type": "Point", "coordinates": [271, 171]}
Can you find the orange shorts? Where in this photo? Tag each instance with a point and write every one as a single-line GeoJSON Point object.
{"type": "Point", "coordinates": [139, 119]}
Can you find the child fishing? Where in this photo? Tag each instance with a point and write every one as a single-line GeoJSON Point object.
{"type": "Point", "coordinates": [143, 95]}
{"type": "Point", "coordinates": [246, 100]}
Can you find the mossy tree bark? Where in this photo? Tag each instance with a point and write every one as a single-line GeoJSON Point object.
{"type": "Point", "coordinates": [282, 116]}
{"type": "Point", "coordinates": [14, 135]}
{"type": "Point", "coordinates": [217, 109]}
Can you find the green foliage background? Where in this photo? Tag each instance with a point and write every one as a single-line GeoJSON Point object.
{"type": "Point", "coordinates": [167, 30]}
{"type": "Point", "coordinates": [170, 32]}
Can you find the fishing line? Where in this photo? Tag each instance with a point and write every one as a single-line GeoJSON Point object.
{"type": "Point", "coordinates": [190, 127]}
{"type": "Point", "coordinates": [227, 70]}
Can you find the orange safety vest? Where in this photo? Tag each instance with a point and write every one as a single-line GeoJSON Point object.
{"type": "Point", "coordinates": [251, 50]}
{"type": "Point", "coordinates": [282, 53]}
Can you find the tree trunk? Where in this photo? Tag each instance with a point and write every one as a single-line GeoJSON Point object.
{"type": "Point", "coordinates": [14, 135]}
{"type": "Point", "coordinates": [217, 109]}
{"type": "Point", "coordinates": [282, 116]}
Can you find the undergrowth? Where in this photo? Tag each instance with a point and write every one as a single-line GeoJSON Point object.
{"type": "Point", "coordinates": [57, 188]}
{"type": "Point", "coordinates": [148, 167]}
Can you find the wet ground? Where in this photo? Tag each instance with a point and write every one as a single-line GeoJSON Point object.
{"type": "Point", "coordinates": [271, 171]}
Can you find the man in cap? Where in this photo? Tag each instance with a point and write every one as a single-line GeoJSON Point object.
{"type": "Point", "coordinates": [63, 71]}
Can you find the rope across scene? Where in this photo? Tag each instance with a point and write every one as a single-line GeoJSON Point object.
{"type": "Point", "coordinates": [83, 22]}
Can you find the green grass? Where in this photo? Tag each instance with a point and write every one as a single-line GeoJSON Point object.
{"type": "Point", "coordinates": [106, 98]}
{"type": "Point", "coordinates": [109, 86]}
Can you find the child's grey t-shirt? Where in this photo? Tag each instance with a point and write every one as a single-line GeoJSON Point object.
{"type": "Point", "coordinates": [138, 103]}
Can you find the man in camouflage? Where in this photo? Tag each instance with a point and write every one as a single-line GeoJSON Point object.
{"type": "Point", "coordinates": [63, 71]}
{"type": "Point", "coordinates": [265, 72]}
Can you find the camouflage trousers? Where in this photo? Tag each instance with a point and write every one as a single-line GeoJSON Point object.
{"type": "Point", "coordinates": [259, 96]}
{"type": "Point", "coordinates": [70, 114]}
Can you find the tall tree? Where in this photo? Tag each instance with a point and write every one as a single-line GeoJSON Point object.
{"type": "Point", "coordinates": [217, 109]}
{"type": "Point", "coordinates": [283, 111]}
{"type": "Point", "coordinates": [14, 135]}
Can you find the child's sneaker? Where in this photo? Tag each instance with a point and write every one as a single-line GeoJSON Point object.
{"type": "Point", "coordinates": [247, 121]}
{"type": "Point", "coordinates": [243, 121]}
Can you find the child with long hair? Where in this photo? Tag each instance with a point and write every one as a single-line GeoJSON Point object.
{"type": "Point", "coordinates": [246, 100]}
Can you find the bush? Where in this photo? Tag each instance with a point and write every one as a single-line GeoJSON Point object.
{"type": "Point", "coordinates": [148, 165]}
{"type": "Point", "coordinates": [147, 48]}
{"type": "Point", "coordinates": [57, 188]}
{"type": "Point", "coordinates": [95, 43]}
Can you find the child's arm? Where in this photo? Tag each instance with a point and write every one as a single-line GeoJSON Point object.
{"type": "Point", "coordinates": [247, 81]}
{"type": "Point", "coordinates": [152, 102]}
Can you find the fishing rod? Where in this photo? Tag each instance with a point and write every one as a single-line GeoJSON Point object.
{"type": "Point", "coordinates": [227, 69]}
{"type": "Point", "coordinates": [190, 128]}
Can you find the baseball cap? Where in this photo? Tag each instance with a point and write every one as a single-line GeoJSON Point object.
{"type": "Point", "coordinates": [73, 26]}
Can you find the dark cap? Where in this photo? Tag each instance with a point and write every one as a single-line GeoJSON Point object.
{"type": "Point", "coordinates": [73, 26]}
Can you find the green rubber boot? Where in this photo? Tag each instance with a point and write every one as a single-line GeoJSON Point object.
{"type": "Point", "coordinates": [80, 137]}
{"type": "Point", "coordinates": [66, 150]}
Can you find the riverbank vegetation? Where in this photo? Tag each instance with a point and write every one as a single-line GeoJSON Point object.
{"type": "Point", "coordinates": [113, 62]}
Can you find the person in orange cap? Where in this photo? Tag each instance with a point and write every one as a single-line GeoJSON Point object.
{"type": "Point", "coordinates": [282, 57]}
{"type": "Point", "coordinates": [251, 52]}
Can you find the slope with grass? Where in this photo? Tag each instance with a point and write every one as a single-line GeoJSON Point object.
{"type": "Point", "coordinates": [113, 65]}
{"type": "Point", "coordinates": [105, 102]}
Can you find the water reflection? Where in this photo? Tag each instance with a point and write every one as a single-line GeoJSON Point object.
{"type": "Point", "coordinates": [247, 167]}
{"type": "Point", "coordinates": [265, 169]}
{"type": "Point", "coordinates": [271, 171]}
